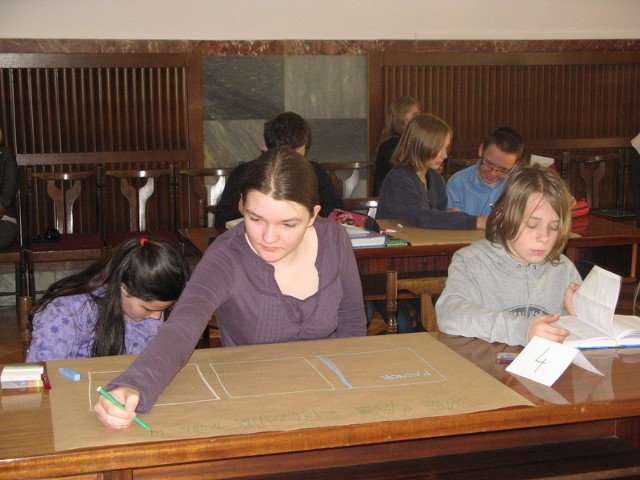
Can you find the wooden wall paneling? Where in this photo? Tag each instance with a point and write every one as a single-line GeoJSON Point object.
{"type": "Point", "coordinates": [192, 112]}
{"type": "Point", "coordinates": [566, 95]}
{"type": "Point", "coordinates": [95, 103]}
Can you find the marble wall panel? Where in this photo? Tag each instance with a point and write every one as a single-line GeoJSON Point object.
{"type": "Point", "coordinates": [241, 93]}
{"type": "Point", "coordinates": [323, 86]}
{"type": "Point", "coordinates": [338, 140]}
{"type": "Point", "coordinates": [239, 88]}
{"type": "Point", "coordinates": [307, 47]}
{"type": "Point", "coordinates": [227, 142]}
{"type": "Point", "coordinates": [7, 284]}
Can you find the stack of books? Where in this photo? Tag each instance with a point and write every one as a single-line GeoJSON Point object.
{"type": "Point", "coordinates": [362, 238]}
{"type": "Point", "coordinates": [22, 376]}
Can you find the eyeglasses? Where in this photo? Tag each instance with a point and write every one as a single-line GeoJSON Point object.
{"type": "Point", "coordinates": [492, 167]}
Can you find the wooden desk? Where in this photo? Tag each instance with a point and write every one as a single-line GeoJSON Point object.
{"type": "Point", "coordinates": [610, 244]}
{"type": "Point", "coordinates": [587, 407]}
{"type": "Point", "coordinates": [590, 234]}
{"type": "Point", "coordinates": [599, 242]}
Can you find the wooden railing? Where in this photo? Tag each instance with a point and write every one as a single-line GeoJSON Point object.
{"type": "Point", "coordinates": [123, 111]}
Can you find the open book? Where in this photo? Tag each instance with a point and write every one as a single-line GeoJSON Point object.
{"type": "Point", "coordinates": [595, 324]}
{"type": "Point", "coordinates": [361, 238]}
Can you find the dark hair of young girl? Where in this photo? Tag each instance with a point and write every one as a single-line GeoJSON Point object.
{"type": "Point", "coordinates": [151, 270]}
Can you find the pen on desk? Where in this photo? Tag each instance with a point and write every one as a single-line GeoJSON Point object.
{"type": "Point", "coordinates": [388, 230]}
{"type": "Point", "coordinates": [113, 400]}
{"type": "Point", "coordinates": [506, 357]}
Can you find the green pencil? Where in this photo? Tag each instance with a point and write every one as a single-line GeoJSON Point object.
{"type": "Point", "coordinates": [113, 400]}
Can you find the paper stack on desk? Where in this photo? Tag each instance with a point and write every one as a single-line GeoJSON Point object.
{"type": "Point", "coordinates": [22, 376]}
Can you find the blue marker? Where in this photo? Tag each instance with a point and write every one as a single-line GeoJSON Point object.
{"type": "Point", "coordinates": [72, 374]}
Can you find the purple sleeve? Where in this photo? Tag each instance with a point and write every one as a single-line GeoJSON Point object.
{"type": "Point", "coordinates": [352, 320]}
{"type": "Point", "coordinates": [56, 332]}
{"type": "Point", "coordinates": [172, 347]}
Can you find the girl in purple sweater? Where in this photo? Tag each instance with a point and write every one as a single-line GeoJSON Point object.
{"type": "Point", "coordinates": [113, 307]}
{"type": "Point", "coordinates": [282, 275]}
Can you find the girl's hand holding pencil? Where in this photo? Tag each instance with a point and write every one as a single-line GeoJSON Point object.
{"type": "Point", "coordinates": [121, 414]}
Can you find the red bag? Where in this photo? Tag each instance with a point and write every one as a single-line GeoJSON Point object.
{"type": "Point", "coordinates": [580, 209]}
{"type": "Point", "coordinates": [579, 225]}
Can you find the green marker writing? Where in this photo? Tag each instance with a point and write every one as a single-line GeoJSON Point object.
{"type": "Point", "coordinates": [113, 400]}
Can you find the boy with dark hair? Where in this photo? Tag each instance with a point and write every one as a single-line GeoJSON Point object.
{"type": "Point", "coordinates": [288, 129]}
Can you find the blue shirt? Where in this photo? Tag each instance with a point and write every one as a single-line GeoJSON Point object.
{"type": "Point", "coordinates": [467, 192]}
{"type": "Point", "coordinates": [65, 329]}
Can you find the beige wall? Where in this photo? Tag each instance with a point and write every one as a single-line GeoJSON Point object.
{"type": "Point", "coordinates": [320, 19]}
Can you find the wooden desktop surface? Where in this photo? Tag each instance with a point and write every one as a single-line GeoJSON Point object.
{"type": "Point", "coordinates": [588, 231]}
{"type": "Point", "coordinates": [591, 230]}
{"type": "Point", "coordinates": [579, 406]}
{"type": "Point", "coordinates": [610, 244]}
{"type": "Point", "coordinates": [596, 239]}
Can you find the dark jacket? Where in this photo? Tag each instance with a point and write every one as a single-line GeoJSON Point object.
{"type": "Point", "coordinates": [384, 153]}
{"type": "Point", "coordinates": [8, 181]}
{"type": "Point", "coordinates": [404, 197]}
{"type": "Point", "coordinates": [227, 207]}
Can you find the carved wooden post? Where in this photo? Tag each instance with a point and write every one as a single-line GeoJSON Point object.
{"type": "Point", "coordinates": [24, 322]}
{"type": "Point", "coordinates": [392, 301]}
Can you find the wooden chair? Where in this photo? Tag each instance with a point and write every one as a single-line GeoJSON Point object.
{"type": "Point", "coordinates": [592, 169]}
{"type": "Point", "coordinates": [204, 188]}
{"type": "Point", "coordinates": [24, 323]}
{"type": "Point", "coordinates": [425, 287]}
{"type": "Point", "coordinates": [145, 218]}
{"type": "Point", "coordinates": [69, 202]}
{"type": "Point", "coordinates": [347, 175]}
{"type": "Point", "coordinates": [14, 256]}
{"type": "Point", "coordinates": [367, 205]}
